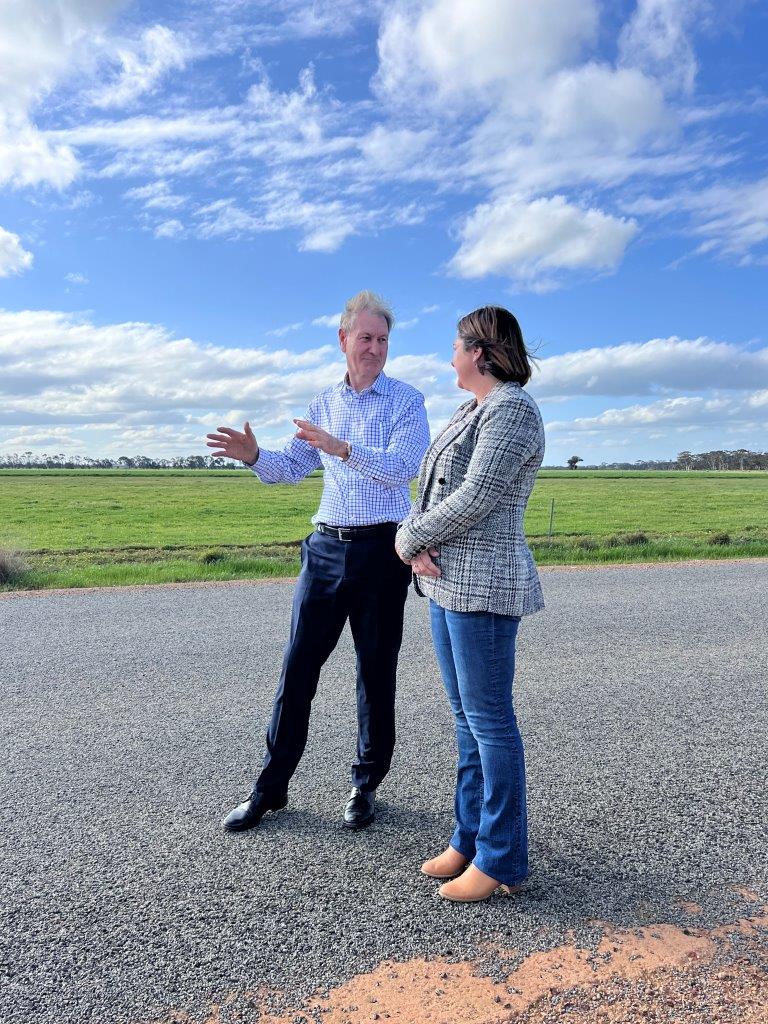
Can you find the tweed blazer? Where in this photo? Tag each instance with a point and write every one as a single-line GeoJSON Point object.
{"type": "Point", "coordinates": [474, 484]}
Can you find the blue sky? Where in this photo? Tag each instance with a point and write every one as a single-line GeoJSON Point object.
{"type": "Point", "coordinates": [190, 191]}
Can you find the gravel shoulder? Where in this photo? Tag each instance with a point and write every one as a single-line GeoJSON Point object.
{"type": "Point", "coordinates": [134, 720]}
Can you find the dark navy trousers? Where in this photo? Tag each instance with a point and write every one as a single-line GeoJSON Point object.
{"type": "Point", "coordinates": [362, 580]}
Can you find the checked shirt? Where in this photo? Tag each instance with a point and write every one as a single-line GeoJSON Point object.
{"type": "Point", "coordinates": [386, 426]}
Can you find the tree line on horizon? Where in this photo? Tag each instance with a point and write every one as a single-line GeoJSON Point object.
{"type": "Point", "coordinates": [28, 460]}
{"type": "Point", "coordinates": [739, 459]}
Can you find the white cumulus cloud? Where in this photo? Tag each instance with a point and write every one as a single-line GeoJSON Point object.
{"type": "Point", "coordinates": [680, 412]}
{"type": "Point", "coordinates": [460, 48]}
{"type": "Point", "coordinates": [102, 388]}
{"type": "Point", "coordinates": [14, 258]}
{"type": "Point", "coordinates": [39, 43]}
{"type": "Point", "coordinates": [641, 368]}
{"type": "Point", "coordinates": [600, 106]}
{"type": "Point", "coordinates": [531, 241]}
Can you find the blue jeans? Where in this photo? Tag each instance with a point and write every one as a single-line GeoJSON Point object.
{"type": "Point", "coordinates": [476, 655]}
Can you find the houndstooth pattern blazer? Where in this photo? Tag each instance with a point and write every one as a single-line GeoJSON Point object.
{"type": "Point", "coordinates": [474, 484]}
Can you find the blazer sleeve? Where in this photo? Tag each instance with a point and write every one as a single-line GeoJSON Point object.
{"type": "Point", "coordinates": [508, 434]}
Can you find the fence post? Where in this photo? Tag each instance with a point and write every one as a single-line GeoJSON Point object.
{"type": "Point", "coordinates": [551, 518]}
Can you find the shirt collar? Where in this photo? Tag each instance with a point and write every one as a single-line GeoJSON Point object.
{"type": "Point", "coordinates": [381, 386]}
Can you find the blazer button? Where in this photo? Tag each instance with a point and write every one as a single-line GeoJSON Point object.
{"type": "Point", "coordinates": [441, 479]}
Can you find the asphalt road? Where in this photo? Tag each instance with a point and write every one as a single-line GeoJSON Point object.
{"type": "Point", "coordinates": [133, 720]}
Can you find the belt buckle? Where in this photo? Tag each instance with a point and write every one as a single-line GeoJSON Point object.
{"type": "Point", "coordinates": [342, 530]}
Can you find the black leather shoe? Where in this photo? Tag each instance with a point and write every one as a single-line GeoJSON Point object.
{"type": "Point", "coordinates": [249, 813]}
{"type": "Point", "coordinates": [359, 812]}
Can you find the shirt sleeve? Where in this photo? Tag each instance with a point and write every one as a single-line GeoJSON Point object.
{"type": "Point", "coordinates": [506, 439]}
{"type": "Point", "coordinates": [397, 463]}
{"type": "Point", "coordinates": [297, 460]}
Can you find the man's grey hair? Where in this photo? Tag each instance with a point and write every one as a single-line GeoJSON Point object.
{"type": "Point", "coordinates": [365, 302]}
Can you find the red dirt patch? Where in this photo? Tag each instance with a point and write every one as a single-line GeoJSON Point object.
{"type": "Point", "coordinates": [659, 973]}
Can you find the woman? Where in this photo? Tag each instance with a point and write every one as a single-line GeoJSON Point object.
{"type": "Point", "coordinates": [464, 540]}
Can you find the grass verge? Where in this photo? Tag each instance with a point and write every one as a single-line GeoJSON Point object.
{"type": "Point", "coordinates": [43, 570]}
{"type": "Point", "coordinates": [616, 548]}
{"type": "Point", "coordinates": [46, 570]}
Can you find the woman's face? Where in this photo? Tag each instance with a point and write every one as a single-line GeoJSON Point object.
{"type": "Point", "coordinates": [465, 364]}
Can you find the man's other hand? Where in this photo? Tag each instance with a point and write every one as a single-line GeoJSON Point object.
{"type": "Point", "coordinates": [233, 444]}
{"type": "Point", "coordinates": [320, 438]}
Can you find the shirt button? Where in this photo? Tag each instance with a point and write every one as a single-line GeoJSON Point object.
{"type": "Point", "coordinates": [441, 479]}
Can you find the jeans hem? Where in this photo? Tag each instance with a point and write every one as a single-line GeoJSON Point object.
{"type": "Point", "coordinates": [501, 877]}
{"type": "Point", "coordinates": [465, 850]}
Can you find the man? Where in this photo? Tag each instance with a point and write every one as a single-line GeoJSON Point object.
{"type": "Point", "coordinates": [368, 433]}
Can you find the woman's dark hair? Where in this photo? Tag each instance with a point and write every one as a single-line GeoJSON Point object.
{"type": "Point", "coordinates": [496, 332]}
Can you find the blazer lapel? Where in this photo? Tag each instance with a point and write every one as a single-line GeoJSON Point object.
{"type": "Point", "coordinates": [451, 432]}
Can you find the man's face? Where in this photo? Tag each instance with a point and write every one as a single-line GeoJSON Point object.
{"type": "Point", "coordinates": [365, 346]}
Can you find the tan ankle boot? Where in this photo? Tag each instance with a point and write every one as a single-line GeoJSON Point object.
{"type": "Point", "coordinates": [473, 886]}
{"type": "Point", "coordinates": [447, 865]}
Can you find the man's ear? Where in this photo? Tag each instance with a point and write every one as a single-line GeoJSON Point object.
{"type": "Point", "coordinates": [342, 340]}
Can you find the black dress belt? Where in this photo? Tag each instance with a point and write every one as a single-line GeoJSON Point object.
{"type": "Point", "coordinates": [347, 533]}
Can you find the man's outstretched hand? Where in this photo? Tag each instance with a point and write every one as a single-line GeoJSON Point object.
{"type": "Point", "coordinates": [233, 444]}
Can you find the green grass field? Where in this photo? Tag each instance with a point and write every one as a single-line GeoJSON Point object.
{"type": "Point", "coordinates": [86, 528]}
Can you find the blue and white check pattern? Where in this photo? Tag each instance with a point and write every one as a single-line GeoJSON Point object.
{"type": "Point", "coordinates": [386, 425]}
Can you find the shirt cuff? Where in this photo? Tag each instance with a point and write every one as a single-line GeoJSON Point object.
{"type": "Point", "coordinates": [359, 459]}
{"type": "Point", "coordinates": [266, 467]}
